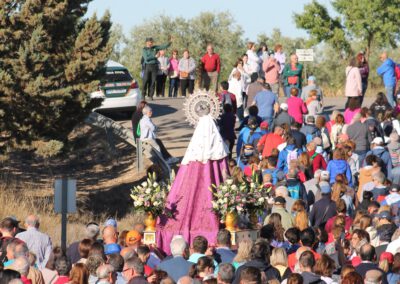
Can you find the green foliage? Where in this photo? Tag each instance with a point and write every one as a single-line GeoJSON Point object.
{"type": "Point", "coordinates": [371, 22]}
{"type": "Point", "coordinates": [50, 60]}
{"type": "Point", "coordinates": [193, 34]}
{"type": "Point", "coordinates": [48, 149]}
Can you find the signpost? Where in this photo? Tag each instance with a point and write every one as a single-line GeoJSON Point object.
{"type": "Point", "coordinates": [305, 55]}
{"type": "Point", "coordinates": [64, 203]}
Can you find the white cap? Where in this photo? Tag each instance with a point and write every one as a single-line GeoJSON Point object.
{"type": "Point", "coordinates": [377, 141]}
{"type": "Point", "coordinates": [284, 106]}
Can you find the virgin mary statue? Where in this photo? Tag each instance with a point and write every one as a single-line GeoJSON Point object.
{"type": "Point", "coordinates": [204, 164]}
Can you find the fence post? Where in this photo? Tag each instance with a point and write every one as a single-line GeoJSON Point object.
{"type": "Point", "coordinates": [139, 155]}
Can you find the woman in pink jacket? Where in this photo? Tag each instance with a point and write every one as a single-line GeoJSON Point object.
{"type": "Point", "coordinates": [296, 106]}
{"type": "Point", "coordinates": [353, 81]}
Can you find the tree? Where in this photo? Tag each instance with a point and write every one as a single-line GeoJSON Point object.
{"type": "Point", "coordinates": [50, 60]}
{"type": "Point", "coordinates": [193, 34]}
{"type": "Point", "coordinates": [372, 22]}
{"type": "Point", "coordinates": [118, 41]}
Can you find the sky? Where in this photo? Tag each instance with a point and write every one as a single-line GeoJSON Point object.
{"type": "Point", "coordinates": [254, 17]}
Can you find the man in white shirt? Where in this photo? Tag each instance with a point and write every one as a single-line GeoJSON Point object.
{"type": "Point", "coordinates": [37, 242]}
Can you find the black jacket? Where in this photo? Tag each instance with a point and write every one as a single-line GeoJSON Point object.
{"type": "Point", "coordinates": [318, 217]}
{"type": "Point", "coordinates": [270, 272]}
{"type": "Point", "coordinates": [299, 137]}
{"type": "Point", "coordinates": [364, 267]}
{"type": "Point", "coordinates": [312, 278]}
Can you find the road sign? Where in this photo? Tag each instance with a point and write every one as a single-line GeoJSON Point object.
{"type": "Point", "coordinates": [64, 203]}
{"type": "Point", "coordinates": [305, 54]}
{"type": "Point", "coordinates": [65, 192]}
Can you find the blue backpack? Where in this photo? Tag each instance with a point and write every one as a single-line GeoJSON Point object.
{"type": "Point", "coordinates": [294, 191]}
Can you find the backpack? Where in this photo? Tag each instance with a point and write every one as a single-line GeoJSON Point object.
{"type": "Point", "coordinates": [313, 156]}
{"type": "Point", "coordinates": [387, 127]}
{"type": "Point", "coordinates": [326, 143]}
{"type": "Point", "coordinates": [138, 130]}
{"type": "Point", "coordinates": [248, 148]}
{"type": "Point", "coordinates": [292, 155]}
{"type": "Point", "coordinates": [397, 72]}
{"type": "Point", "coordinates": [226, 99]}
{"type": "Point", "coordinates": [294, 190]}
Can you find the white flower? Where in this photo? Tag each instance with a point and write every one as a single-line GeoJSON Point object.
{"type": "Point", "coordinates": [229, 181]}
{"type": "Point", "coordinates": [138, 203]}
{"type": "Point", "coordinates": [226, 200]}
{"type": "Point", "coordinates": [155, 184]}
{"type": "Point", "coordinates": [234, 186]}
{"type": "Point", "coordinates": [224, 188]}
{"type": "Point", "coordinates": [252, 185]}
{"type": "Point", "coordinates": [144, 184]}
{"type": "Point", "coordinates": [156, 203]}
{"type": "Point", "coordinates": [261, 200]}
{"type": "Point", "coordinates": [148, 191]}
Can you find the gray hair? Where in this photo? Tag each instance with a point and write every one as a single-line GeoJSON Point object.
{"type": "Point", "coordinates": [136, 264]}
{"type": "Point", "coordinates": [185, 280]}
{"type": "Point", "coordinates": [379, 176]}
{"type": "Point", "coordinates": [32, 221]}
{"type": "Point", "coordinates": [21, 250]}
{"type": "Point", "coordinates": [104, 270]}
{"type": "Point", "coordinates": [282, 191]}
{"type": "Point", "coordinates": [21, 265]}
{"type": "Point", "coordinates": [167, 280]}
{"type": "Point", "coordinates": [226, 272]}
{"type": "Point", "coordinates": [146, 110]}
{"type": "Point", "coordinates": [93, 262]}
{"type": "Point", "coordinates": [178, 246]}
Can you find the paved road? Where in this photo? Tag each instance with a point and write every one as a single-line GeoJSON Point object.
{"type": "Point", "coordinates": [175, 132]}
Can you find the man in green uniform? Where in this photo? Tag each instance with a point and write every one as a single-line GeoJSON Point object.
{"type": "Point", "coordinates": [150, 64]}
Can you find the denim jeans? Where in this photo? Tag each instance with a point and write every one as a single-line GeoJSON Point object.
{"type": "Point", "coordinates": [390, 95]}
{"type": "Point", "coordinates": [173, 87]}
{"type": "Point", "coordinates": [240, 113]}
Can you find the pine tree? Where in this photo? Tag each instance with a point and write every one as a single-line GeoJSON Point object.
{"type": "Point", "coordinates": [51, 58]}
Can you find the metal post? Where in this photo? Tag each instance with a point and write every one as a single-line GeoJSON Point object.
{"type": "Point", "coordinates": [64, 194]}
{"type": "Point", "coordinates": [139, 156]}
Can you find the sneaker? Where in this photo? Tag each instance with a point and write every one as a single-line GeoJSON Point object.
{"type": "Point", "coordinates": [172, 160]}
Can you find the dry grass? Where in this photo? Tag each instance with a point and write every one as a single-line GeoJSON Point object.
{"type": "Point", "coordinates": [21, 203]}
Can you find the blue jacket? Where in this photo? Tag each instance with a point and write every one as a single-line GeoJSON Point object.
{"type": "Point", "coordinates": [176, 267]}
{"type": "Point", "coordinates": [275, 173]}
{"type": "Point", "coordinates": [224, 255]}
{"type": "Point", "coordinates": [386, 70]}
{"type": "Point", "coordinates": [282, 158]}
{"type": "Point", "coordinates": [336, 167]}
{"type": "Point", "coordinates": [382, 153]}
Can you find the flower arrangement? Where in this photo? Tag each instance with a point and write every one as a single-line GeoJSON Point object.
{"type": "Point", "coordinates": [150, 196]}
{"type": "Point", "coordinates": [229, 198]}
{"type": "Point", "coordinates": [247, 197]}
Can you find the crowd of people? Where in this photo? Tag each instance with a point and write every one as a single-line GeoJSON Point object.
{"type": "Point", "coordinates": [333, 211]}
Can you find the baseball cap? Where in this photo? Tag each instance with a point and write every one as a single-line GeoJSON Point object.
{"type": "Point", "coordinates": [92, 230]}
{"type": "Point", "coordinates": [394, 188]}
{"type": "Point", "coordinates": [111, 222]}
{"type": "Point", "coordinates": [385, 215]}
{"type": "Point", "coordinates": [388, 256]}
{"type": "Point", "coordinates": [310, 119]}
{"type": "Point", "coordinates": [133, 237]}
{"type": "Point", "coordinates": [324, 175]}
{"type": "Point", "coordinates": [264, 125]}
{"type": "Point", "coordinates": [111, 248]}
{"type": "Point", "coordinates": [325, 187]}
{"type": "Point", "coordinates": [377, 140]}
{"type": "Point", "coordinates": [280, 200]}
{"type": "Point", "coordinates": [284, 106]}
{"type": "Point", "coordinates": [149, 39]}
{"type": "Point", "coordinates": [312, 78]}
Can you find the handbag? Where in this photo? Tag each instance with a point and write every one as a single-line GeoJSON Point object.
{"type": "Point", "coordinates": [183, 74]}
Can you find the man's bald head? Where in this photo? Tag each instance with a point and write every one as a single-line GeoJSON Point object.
{"type": "Point", "coordinates": [128, 253]}
{"type": "Point", "coordinates": [367, 252]}
{"type": "Point", "coordinates": [32, 221]}
{"type": "Point", "coordinates": [185, 280]}
{"type": "Point", "coordinates": [110, 235]}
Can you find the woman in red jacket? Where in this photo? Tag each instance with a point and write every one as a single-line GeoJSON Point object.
{"type": "Point", "coordinates": [317, 161]}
